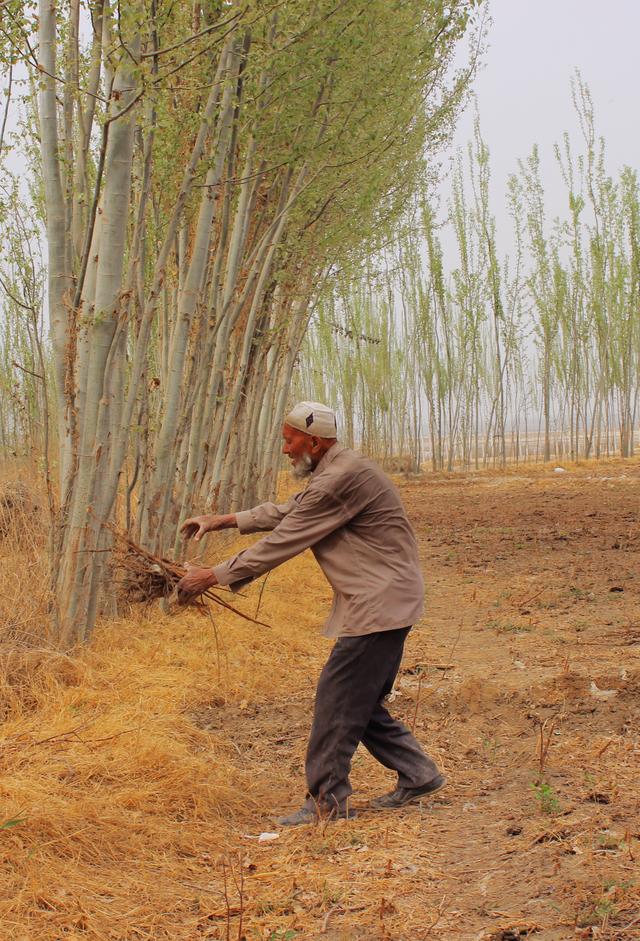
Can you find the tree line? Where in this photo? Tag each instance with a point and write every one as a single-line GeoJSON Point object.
{"type": "Point", "coordinates": [466, 356]}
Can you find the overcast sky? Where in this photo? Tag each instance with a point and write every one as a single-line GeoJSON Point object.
{"type": "Point", "coordinates": [523, 87]}
{"type": "Point", "coordinates": [523, 91]}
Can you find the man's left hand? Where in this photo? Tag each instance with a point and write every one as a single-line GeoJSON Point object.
{"type": "Point", "coordinates": [195, 582]}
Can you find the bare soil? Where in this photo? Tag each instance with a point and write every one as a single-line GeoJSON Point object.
{"type": "Point", "coordinates": [523, 681]}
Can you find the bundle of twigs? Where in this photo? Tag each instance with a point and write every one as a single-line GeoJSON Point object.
{"type": "Point", "coordinates": [143, 576]}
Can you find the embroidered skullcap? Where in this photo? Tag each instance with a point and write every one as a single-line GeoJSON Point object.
{"type": "Point", "coordinates": [313, 418]}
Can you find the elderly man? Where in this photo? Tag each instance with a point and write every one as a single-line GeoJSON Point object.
{"type": "Point", "coordinates": [351, 517]}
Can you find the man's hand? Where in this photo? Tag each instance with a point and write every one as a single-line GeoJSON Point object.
{"type": "Point", "coordinates": [194, 583]}
{"type": "Point", "coordinates": [197, 526]}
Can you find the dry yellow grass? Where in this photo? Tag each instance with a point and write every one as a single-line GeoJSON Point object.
{"type": "Point", "coordinates": [113, 800]}
{"type": "Point", "coordinates": [24, 593]}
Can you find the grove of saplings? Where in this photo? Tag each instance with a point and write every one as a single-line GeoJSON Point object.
{"type": "Point", "coordinates": [450, 353]}
{"type": "Point", "coordinates": [195, 172]}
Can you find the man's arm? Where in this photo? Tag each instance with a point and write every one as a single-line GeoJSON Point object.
{"type": "Point", "coordinates": [266, 516]}
{"type": "Point", "coordinates": [197, 526]}
{"type": "Point", "coordinates": [263, 517]}
{"type": "Point", "coordinates": [316, 514]}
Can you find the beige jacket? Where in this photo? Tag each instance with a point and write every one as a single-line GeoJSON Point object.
{"type": "Point", "coordinates": [352, 519]}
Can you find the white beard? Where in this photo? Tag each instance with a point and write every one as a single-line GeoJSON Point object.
{"type": "Point", "coordinates": [303, 467]}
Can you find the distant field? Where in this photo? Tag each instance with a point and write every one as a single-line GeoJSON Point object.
{"type": "Point", "coordinates": [526, 448]}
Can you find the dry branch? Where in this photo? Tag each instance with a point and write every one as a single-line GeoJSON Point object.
{"type": "Point", "coordinates": [144, 576]}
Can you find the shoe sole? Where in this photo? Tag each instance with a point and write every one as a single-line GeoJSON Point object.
{"type": "Point", "coordinates": [412, 800]}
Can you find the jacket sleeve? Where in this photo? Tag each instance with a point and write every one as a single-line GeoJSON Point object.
{"type": "Point", "coordinates": [265, 516]}
{"type": "Point", "coordinates": [317, 514]}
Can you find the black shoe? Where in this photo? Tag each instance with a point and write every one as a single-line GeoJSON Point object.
{"type": "Point", "coordinates": [407, 795]}
{"type": "Point", "coordinates": [310, 815]}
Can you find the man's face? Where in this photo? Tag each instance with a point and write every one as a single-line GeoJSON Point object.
{"type": "Point", "coordinates": [299, 448]}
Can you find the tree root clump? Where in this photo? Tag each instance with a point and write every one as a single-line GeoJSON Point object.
{"type": "Point", "coordinates": [144, 577]}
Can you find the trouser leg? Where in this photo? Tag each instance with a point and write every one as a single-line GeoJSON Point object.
{"type": "Point", "coordinates": [348, 709]}
{"type": "Point", "coordinates": [393, 745]}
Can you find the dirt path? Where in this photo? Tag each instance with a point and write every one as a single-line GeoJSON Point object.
{"type": "Point", "coordinates": [531, 641]}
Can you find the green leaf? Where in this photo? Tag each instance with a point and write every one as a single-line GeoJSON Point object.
{"type": "Point", "coordinates": [12, 822]}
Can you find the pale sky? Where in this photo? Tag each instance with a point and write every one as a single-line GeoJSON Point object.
{"type": "Point", "coordinates": [523, 87]}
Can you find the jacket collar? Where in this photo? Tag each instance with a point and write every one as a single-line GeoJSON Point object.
{"type": "Point", "coordinates": [328, 457]}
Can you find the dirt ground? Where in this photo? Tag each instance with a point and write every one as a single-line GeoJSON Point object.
{"type": "Point", "coordinates": [531, 642]}
{"type": "Point", "coordinates": [522, 680]}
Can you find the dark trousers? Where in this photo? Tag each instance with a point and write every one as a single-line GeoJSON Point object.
{"type": "Point", "coordinates": [349, 709]}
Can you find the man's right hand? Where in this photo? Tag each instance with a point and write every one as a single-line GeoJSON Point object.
{"type": "Point", "coordinates": [197, 526]}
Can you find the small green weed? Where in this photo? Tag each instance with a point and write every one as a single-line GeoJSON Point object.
{"type": "Point", "coordinates": [510, 627]}
{"type": "Point", "coordinates": [330, 895]}
{"type": "Point", "coordinates": [546, 797]}
{"type": "Point", "coordinates": [609, 841]}
{"type": "Point", "coordinates": [503, 596]}
{"type": "Point", "coordinates": [578, 592]}
{"type": "Point", "coordinates": [605, 909]}
{"type": "Point", "coordinates": [615, 884]}
{"type": "Point", "coordinates": [490, 748]}
{"type": "Point", "coordinates": [602, 912]}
